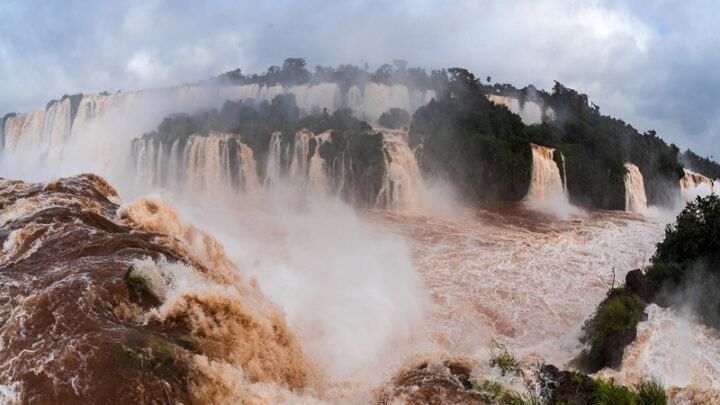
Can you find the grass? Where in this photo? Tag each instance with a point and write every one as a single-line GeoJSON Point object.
{"type": "Point", "coordinates": [650, 392]}
{"type": "Point", "coordinates": [502, 358]}
{"type": "Point", "coordinates": [647, 392]}
{"type": "Point", "coordinates": [610, 393]}
{"type": "Point", "coordinates": [495, 392]}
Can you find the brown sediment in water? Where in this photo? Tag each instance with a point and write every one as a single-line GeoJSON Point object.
{"type": "Point", "coordinates": [446, 382]}
{"type": "Point", "coordinates": [510, 273]}
{"type": "Point", "coordinates": [72, 329]}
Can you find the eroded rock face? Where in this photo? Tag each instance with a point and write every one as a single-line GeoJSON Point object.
{"type": "Point", "coordinates": [447, 382]}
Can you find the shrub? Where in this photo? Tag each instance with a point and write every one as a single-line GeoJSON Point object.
{"type": "Point", "coordinates": [612, 327]}
{"type": "Point", "coordinates": [695, 233]}
{"type": "Point", "coordinates": [495, 392]}
{"type": "Point", "coordinates": [503, 359]}
{"type": "Point", "coordinates": [574, 387]}
{"type": "Point", "coordinates": [685, 266]}
{"type": "Point", "coordinates": [394, 118]}
{"type": "Point", "coordinates": [650, 392]}
{"type": "Point", "coordinates": [609, 393]}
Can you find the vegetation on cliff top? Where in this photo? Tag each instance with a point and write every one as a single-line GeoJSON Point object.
{"type": "Point", "coordinates": [699, 164]}
{"type": "Point", "coordinates": [574, 387]}
{"type": "Point", "coordinates": [484, 148]}
{"type": "Point", "coordinates": [610, 329]}
{"type": "Point", "coordinates": [294, 71]}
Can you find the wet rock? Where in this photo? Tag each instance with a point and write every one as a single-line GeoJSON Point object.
{"type": "Point", "coordinates": [447, 382]}
{"type": "Point", "coordinates": [565, 387]}
{"type": "Point", "coordinates": [638, 284]}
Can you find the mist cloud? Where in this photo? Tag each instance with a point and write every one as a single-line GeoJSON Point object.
{"type": "Point", "coordinates": [653, 64]}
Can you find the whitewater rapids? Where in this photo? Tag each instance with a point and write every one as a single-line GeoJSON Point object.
{"type": "Point", "coordinates": [368, 292]}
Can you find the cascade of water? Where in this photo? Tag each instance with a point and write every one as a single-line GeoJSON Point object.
{"type": "Point", "coordinates": [635, 199]}
{"type": "Point", "coordinates": [531, 112]}
{"type": "Point", "coordinates": [58, 137]}
{"type": "Point", "coordinates": [545, 182]}
{"type": "Point", "coordinates": [204, 159]}
{"type": "Point", "coordinates": [274, 160]}
{"type": "Point", "coordinates": [548, 188]}
{"type": "Point", "coordinates": [317, 172]}
{"type": "Point", "coordinates": [248, 169]}
{"type": "Point", "coordinates": [564, 172]}
{"type": "Point", "coordinates": [695, 184]}
{"type": "Point", "coordinates": [213, 163]}
{"type": "Point", "coordinates": [402, 180]}
{"type": "Point", "coordinates": [301, 151]}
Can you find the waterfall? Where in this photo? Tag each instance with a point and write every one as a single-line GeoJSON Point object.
{"type": "Point", "coordinates": [402, 179]}
{"type": "Point", "coordinates": [213, 164]}
{"type": "Point", "coordinates": [273, 170]}
{"type": "Point", "coordinates": [695, 184]}
{"type": "Point", "coordinates": [249, 169]}
{"type": "Point", "coordinates": [207, 161]}
{"type": "Point", "coordinates": [367, 102]}
{"type": "Point", "coordinates": [61, 137]}
{"type": "Point", "coordinates": [317, 172]}
{"type": "Point", "coordinates": [301, 152]}
{"type": "Point", "coordinates": [635, 199]}
{"type": "Point", "coordinates": [545, 181]}
{"type": "Point", "coordinates": [531, 112]}
{"type": "Point", "coordinates": [548, 188]}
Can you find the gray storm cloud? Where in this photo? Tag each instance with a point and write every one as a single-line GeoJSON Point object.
{"type": "Point", "coordinates": [652, 64]}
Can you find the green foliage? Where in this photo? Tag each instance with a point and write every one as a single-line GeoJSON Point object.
{"type": "Point", "coordinates": [647, 392]}
{"type": "Point", "coordinates": [294, 72]}
{"type": "Point", "coordinates": [395, 118]}
{"type": "Point", "coordinates": [700, 164]}
{"type": "Point", "coordinates": [695, 233]}
{"type": "Point", "coordinates": [474, 143]}
{"type": "Point", "coordinates": [610, 393]}
{"type": "Point", "coordinates": [570, 386]}
{"type": "Point", "coordinates": [608, 142]}
{"type": "Point", "coordinates": [494, 392]}
{"type": "Point", "coordinates": [492, 389]}
{"type": "Point", "coordinates": [484, 148]}
{"type": "Point", "coordinates": [611, 328]}
{"type": "Point", "coordinates": [502, 358]}
{"type": "Point", "coordinates": [685, 266]}
{"type": "Point", "coordinates": [660, 273]}
{"type": "Point", "coordinates": [650, 392]}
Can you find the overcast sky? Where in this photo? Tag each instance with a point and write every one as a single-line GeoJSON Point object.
{"type": "Point", "coordinates": [655, 64]}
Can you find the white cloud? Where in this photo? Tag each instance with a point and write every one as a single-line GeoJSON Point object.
{"type": "Point", "coordinates": [650, 63]}
{"type": "Point", "coordinates": [143, 65]}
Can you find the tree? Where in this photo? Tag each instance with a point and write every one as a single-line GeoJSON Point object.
{"type": "Point", "coordinates": [383, 74]}
{"type": "Point", "coordinates": [394, 118]}
{"type": "Point", "coordinates": [294, 71]}
{"type": "Point", "coordinates": [400, 64]}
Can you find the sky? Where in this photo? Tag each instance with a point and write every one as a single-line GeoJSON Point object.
{"type": "Point", "coordinates": [653, 64]}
